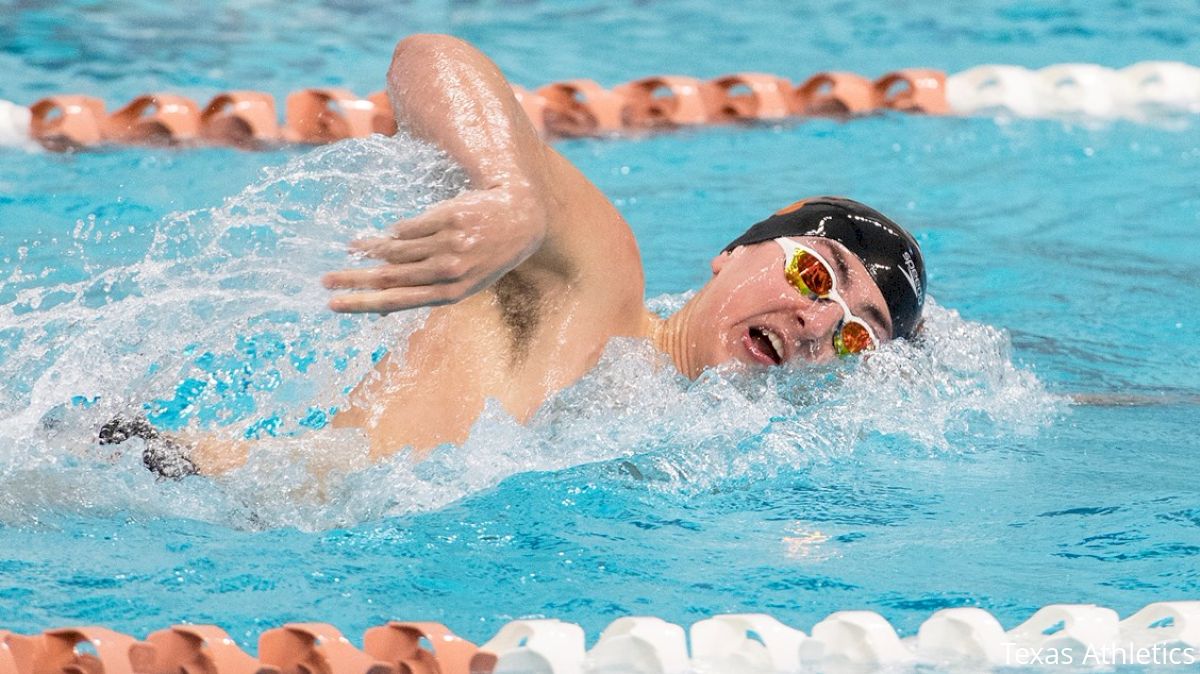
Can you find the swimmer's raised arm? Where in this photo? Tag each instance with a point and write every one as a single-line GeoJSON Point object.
{"type": "Point", "coordinates": [447, 92]}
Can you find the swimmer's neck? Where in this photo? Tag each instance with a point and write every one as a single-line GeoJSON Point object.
{"type": "Point", "coordinates": [670, 335]}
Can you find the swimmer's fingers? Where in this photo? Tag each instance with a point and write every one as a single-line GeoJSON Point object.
{"type": "Point", "coordinates": [434, 271]}
{"type": "Point", "coordinates": [438, 280]}
{"type": "Point", "coordinates": [450, 228]}
{"type": "Point", "coordinates": [399, 251]}
{"type": "Point", "coordinates": [437, 219]}
{"type": "Point", "coordinates": [445, 254]}
{"type": "Point", "coordinates": [454, 219]}
{"type": "Point", "coordinates": [396, 299]}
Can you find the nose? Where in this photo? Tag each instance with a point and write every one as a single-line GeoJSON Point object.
{"type": "Point", "coordinates": [817, 318]}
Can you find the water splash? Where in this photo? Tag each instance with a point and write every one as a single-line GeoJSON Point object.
{"type": "Point", "coordinates": [221, 326]}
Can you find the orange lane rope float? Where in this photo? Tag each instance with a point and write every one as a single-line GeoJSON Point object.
{"type": "Point", "coordinates": [295, 648]}
{"type": "Point", "coordinates": [568, 109]}
{"type": "Point", "coordinates": [582, 108]}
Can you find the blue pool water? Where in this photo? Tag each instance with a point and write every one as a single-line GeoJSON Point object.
{"type": "Point", "coordinates": [954, 473]}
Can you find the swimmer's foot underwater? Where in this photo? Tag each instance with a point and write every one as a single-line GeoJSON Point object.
{"type": "Point", "coordinates": [163, 455]}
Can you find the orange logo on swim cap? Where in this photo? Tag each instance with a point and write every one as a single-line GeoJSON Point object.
{"type": "Point", "coordinates": [793, 207]}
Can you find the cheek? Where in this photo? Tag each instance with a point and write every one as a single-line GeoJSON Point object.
{"type": "Point", "coordinates": [733, 298]}
{"type": "Point", "coordinates": [755, 295]}
{"type": "Point", "coordinates": [752, 283]}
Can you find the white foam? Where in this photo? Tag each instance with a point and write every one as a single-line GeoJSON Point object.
{"type": "Point", "coordinates": [251, 267]}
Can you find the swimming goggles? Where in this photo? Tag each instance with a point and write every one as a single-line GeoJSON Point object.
{"type": "Point", "coordinates": [812, 275]}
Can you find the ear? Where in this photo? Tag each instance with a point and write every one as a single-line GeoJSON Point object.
{"type": "Point", "coordinates": [718, 263]}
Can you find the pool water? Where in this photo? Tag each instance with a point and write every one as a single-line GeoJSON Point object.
{"type": "Point", "coordinates": [954, 472]}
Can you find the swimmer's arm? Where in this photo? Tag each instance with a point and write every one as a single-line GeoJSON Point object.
{"type": "Point", "coordinates": [213, 455]}
{"type": "Point", "coordinates": [449, 93]}
{"type": "Point", "coordinates": [529, 207]}
{"type": "Point", "coordinates": [446, 92]}
{"type": "Point", "coordinates": [175, 455]}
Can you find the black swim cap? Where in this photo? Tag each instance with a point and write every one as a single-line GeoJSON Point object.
{"type": "Point", "coordinates": [889, 253]}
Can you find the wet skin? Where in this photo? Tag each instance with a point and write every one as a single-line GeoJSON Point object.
{"type": "Point", "coordinates": [531, 273]}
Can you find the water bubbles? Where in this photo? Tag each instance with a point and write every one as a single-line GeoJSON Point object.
{"type": "Point", "coordinates": [220, 327]}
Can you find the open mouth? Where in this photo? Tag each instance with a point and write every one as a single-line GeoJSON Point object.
{"type": "Point", "coordinates": [764, 345]}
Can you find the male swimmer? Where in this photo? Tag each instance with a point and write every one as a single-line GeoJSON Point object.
{"type": "Point", "coordinates": [533, 271]}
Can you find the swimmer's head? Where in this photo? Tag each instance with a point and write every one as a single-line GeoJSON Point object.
{"type": "Point", "coordinates": [820, 278]}
{"type": "Point", "coordinates": [889, 253]}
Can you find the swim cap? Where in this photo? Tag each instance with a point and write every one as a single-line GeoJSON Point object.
{"type": "Point", "coordinates": [889, 253]}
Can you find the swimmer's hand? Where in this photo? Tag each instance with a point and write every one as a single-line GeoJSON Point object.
{"type": "Point", "coordinates": [445, 92]}
{"type": "Point", "coordinates": [446, 254]}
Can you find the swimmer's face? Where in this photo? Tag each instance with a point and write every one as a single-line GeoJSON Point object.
{"type": "Point", "coordinates": [750, 313]}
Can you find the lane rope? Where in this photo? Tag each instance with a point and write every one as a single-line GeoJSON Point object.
{"type": "Point", "coordinates": [1163, 633]}
{"type": "Point", "coordinates": [583, 108]}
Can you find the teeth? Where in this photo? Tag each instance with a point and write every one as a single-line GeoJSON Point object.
{"type": "Point", "coordinates": [775, 342]}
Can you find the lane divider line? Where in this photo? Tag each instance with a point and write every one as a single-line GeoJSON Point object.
{"type": "Point", "coordinates": [1162, 633]}
{"type": "Point", "coordinates": [582, 108]}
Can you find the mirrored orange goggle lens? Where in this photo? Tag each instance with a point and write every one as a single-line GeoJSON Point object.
{"type": "Point", "coordinates": [809, 275]}
{"type": "Point", "coordinates": [855, 338]}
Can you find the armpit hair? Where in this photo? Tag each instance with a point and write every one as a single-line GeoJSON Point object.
{"type": "Point", "coordinates": [520, 300]}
